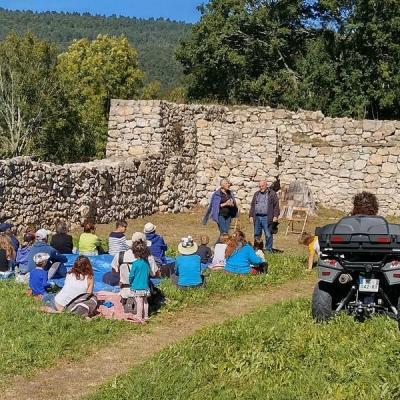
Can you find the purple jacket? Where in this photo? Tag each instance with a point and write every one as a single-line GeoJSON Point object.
{"type": "Point", "coordinates": [214, 207]}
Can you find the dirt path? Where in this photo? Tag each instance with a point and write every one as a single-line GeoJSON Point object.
{"type": "Point", "coordinates": [69, 381]}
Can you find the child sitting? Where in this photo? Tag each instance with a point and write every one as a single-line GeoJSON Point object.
{"type": "Point", "coordinates": [258, 246]}
{"type": "Point", "coordinates": [218, 261]}
{"type": "Point", "coordinates": [7, 256]}
{"type": "Point", "coordinates": [38, 278]}
{"type": "Point", "coordinates": [188, 265]}
{"type": "Point", "coordinates": [204, 251]}
{"type": "Point", "coordinates": [312, 243]}
{"type": "Point", "coordinates": [22, 259]}
{"type": "Point", "coordinates": [139, 279]}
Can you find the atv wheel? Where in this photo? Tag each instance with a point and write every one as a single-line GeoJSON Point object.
{"type": "Point", "coordinates": [322, 302]}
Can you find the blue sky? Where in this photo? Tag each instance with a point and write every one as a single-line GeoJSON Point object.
{"type": "Point", "coordinates": [181, 10]}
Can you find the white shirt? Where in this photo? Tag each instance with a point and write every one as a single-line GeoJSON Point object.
{"type": "Point", "coordinates": [219, 255]}
{"type": "Point", "coordinates": [72, 288]}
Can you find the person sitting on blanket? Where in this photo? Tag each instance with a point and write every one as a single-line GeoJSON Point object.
{"type": "Point", "coordinates": [188, 265]}
{"type": "Point", "coordinates": [117, 240]}
{"type": "Point", "coordinates": [158, 245]}
{"type": "Point", "coordinates": [38, 279]}
{"type": "Point", "coordinates": [55, 264]}
{"type": "Point", "coordinates": [61, 241]}
{"type": "Point", "coordinates": [218, 261]}
{"type": "Point", "coordinates": [79, 281]}
{"type": "Point", "coordinates": [89, 243]}
{"type": "Point", "coordinates": [240, 255]}
{"type": "Point", "coordinates": [7, 256]}
{"type": "Point", "coordinates": [121, 267]}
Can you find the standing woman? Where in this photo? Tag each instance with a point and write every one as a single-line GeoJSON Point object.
{"type": "Point", "coordinates": [222, 207]}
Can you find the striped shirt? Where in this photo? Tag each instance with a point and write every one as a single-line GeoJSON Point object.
{"type": "Point", "coordinates": [117, 243]}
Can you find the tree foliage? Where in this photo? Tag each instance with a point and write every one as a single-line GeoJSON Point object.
{"type": "Point", "coordinates": [94, 72]}
{"type": "Point", "coordinates": [340, 56]}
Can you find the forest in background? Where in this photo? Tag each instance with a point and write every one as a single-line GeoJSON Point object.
{"type": "Point", "coordinates": [155, 39]}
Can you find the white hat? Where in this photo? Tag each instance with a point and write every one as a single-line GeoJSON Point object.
{"type": "Point", "coordinates": [40, 258]}
{"type": "Point", "coordinates": [42, 234]}
{"type": "Point", "coordinates": [138, 236]}
{"type": "Point", "coordinates": [149, 228]}
{"type": "Point", "coordinates": [187, 247]}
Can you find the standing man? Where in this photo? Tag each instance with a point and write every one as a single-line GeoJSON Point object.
{"type": "Point", "coordinates": [222, 207]}
{"type": "Point", "coordinates": [264, 210]}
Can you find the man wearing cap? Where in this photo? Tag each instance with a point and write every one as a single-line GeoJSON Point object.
{"type": "Point", "coordinates": [264, 211]}
{"type": "Point", "coordinates": [55, 263]}
{"type": "Point", "coordinates": [158, 245]}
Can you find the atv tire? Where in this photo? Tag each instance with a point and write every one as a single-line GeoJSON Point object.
{"type": "Point", "coordinates": [322, 302]}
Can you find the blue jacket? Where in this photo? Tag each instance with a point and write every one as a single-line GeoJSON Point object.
{"type": "Point", "coordinates": [38, 281]}
{"type": "Point", "coordinates": [22, 258]}
{"type": "Point", "coordinates": [42, 247]}
{"type": "Point", "coordinates": [214, 207]}
{"type": "Point", "coordinates": [188, 269]}
{"type": "Point", "coordinates": [158, 247]}
{"type": "Point", "coordinates": [241, 259]}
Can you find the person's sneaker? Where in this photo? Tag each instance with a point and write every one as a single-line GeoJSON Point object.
{"type": "Point", "coordinates": [276, 251]}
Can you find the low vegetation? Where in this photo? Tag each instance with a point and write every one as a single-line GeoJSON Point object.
{"type": "Point", "coordinates": [280, 354]}
{"type": "Point", "coordinates": [31, 339]}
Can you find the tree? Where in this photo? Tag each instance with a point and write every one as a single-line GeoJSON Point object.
{"type": "Point", "coordinates": [29, 94]}
{"type": "Point", "coordinates": [94, 72]}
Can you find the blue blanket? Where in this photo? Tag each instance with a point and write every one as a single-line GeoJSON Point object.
{"type": "Point", "coordinates": [101, 265]}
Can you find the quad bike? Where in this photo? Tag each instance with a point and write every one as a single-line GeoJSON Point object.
{"type": "Point", "coordinates": [359, 269]}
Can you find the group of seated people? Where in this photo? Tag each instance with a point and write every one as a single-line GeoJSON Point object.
{"type": "Point", "coordinates": [41, 258]}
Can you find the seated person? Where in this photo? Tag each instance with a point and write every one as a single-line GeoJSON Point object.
{"type": "Point", "coordinates": [121, 267]}
{"type": "Point", "coordinates": [38, 279]}
{"type": "Point", "coordinates": [7, 256]}
{"type": "Point", "coordinates": [77, 282]}
{"type": "Point", "coordinates": [8, 229]}
{"type": "Point", "coordinates": [158, 245]}
{"type": "Point", "coordinates": [188, 265]}
{"type": "Point", "coordinates": [218, 261]}
{"type": "Point", "coordinates": [61, 241]}
{"type": "Point", "coordinates": [55, 264]}
{"type": "Point", "coordinates": [117, 239]}
{"type": "Point", "coordinates": [365, 203]}
{"type": "Point", "coordinates": [312, 243]}
{"type": "Point", "coordinates": [240, 255]}
{"type": "Point", "coordinates": [204, 251]}
{"type": "Point", "coordinates": [258, 246]}
{"type": "Point", "coordinates": [89, 243]}
{"type": "Point", "coordinates": [22, 253]}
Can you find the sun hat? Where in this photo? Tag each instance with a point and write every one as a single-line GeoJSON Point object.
{"type": "Point", "coordinates": [40, 258]}
{"type": "Point", "coordinates": [139, 236]}
{"type": "Point", "coordinates": [149, 228]}
{"type": "Point", "coordinates": [187, 246]}
{"type": "Point", "coordinates": [42, 234]}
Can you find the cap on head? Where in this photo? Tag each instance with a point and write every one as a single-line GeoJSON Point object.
{"type": "Point", "coordinates": [42, 234]}
{"type": "Point", "coordinates": [41, 258]}
{"type": "Point", "coordinates": [149, 228]}
{"type": "Point", "coordinates": [140, 236]}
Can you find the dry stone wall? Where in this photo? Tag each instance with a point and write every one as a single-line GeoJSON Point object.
{"type": "Point", "coordinates": [336, 157]}
{"type": "Point", "coordinates": [168, 157]}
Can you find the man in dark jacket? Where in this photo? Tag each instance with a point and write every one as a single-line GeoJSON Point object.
{"type": "Point", "coordinates": [264, 210]}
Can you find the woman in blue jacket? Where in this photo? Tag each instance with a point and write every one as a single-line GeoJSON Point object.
{"type": "Point", "coordinates": [240, 255]}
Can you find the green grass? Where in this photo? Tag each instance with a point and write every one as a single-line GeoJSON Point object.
{"type": "Point", "coordinates": [31, 339]}
{"type": "Point", "coordinates": [279, 354]}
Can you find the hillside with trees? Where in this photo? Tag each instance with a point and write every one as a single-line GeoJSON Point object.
{"type": "Point", "coordinates": [155, 39]}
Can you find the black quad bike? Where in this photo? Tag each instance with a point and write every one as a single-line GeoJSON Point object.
{"type": "Point", "coordinates": [359, 269]}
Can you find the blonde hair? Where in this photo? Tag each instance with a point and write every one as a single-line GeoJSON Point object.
{"type": "Point", "coordinates": [204, 240]}
{"type": "Point", "coordinates": [6, 245]}
{"type": "Point", "coordinates": [306, 238]}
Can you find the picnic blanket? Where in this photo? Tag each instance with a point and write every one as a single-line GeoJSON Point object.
{"type": "Point", "coordinates": [101, 265]}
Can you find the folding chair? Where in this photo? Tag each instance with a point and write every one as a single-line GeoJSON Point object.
{"type": "Point", "coordinates": [295, 216]}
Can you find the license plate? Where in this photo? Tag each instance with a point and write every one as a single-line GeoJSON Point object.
{"type": "Point", "coordinates": [368, 285]}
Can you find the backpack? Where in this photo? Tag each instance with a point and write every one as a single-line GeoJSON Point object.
{"type": "Point", "coordinates": [85, 304]}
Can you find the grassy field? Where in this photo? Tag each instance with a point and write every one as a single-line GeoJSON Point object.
{"type": "Point", "coordinates": [31, 339]}
{"type": "Point", "coordinates": [279, 354]}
